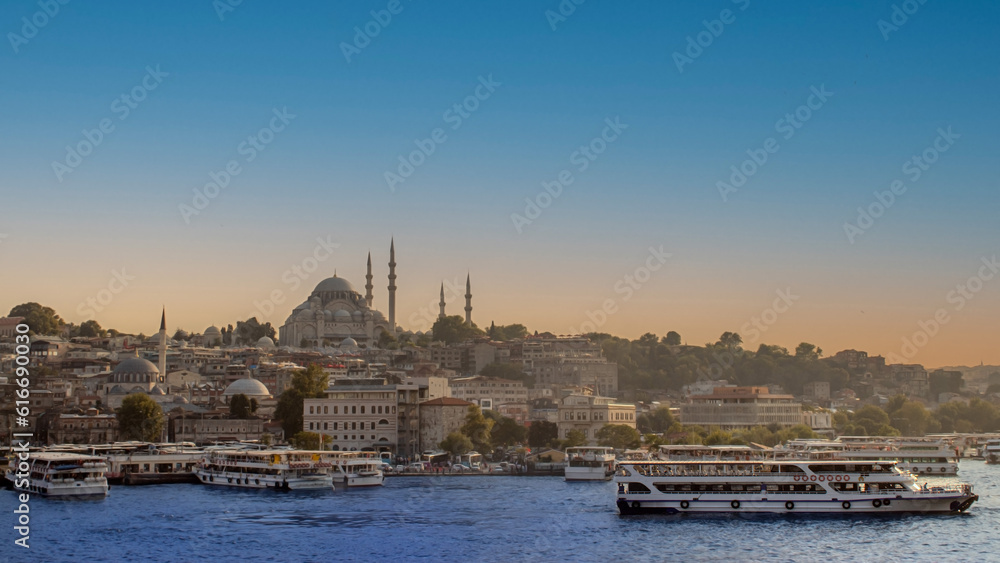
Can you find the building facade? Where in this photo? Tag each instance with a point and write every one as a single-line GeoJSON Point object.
{"type": "Point", "coordinates": [734, 408]}
{"type": "Point", "coordinates": [589, 413]}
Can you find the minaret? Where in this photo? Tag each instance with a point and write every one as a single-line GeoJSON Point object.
{"type": "Point", "coordinates": [369, 286]}
{"type": "Point", "coordinates": [441, 316]}
{"type": "Point", "coordinates": [392, 285]}
{"type": "Point", "coordinates": [163, 345]}
{"type": "Point", "coordinates": [468, 301]}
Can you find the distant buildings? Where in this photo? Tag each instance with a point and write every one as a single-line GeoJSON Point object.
{"type": "Point", "coordinates": [736, 408]}
{"type": "Point", "coordinates": [589, 413]}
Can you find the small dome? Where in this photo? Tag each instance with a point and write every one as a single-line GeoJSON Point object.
{"type": "Point", "coordinates": [357, 315]}
{"type": "Point", "coordinates": [328, 316]}
{"type": "Point", "coordinates": [213, 331]}
{"type": "Point", "coordinates": [157, 390]}
{"type": "Point", "coordinates": [117, 389]}
{"type": "Point", "coordinates": [348, 344]}
{"type": "Point", "coordinates": [246, 386]}
{"type": "Point", "coordinates": [265, 343]}
{"type": "Point", "coordinates": [334, 284]}
{"type": "Point", "coordinates": [180, 399]}
{"type": "Point", "coordinates": [341, 315]}
{"type": "Point", "coordinates": [303, 307]}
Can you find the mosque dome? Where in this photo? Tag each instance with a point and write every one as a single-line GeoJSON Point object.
{"type": "Point", "coordinates": [340, 315]}
{"type": "Point", "coordinates": [213, 331]}
{"type": "Point", "coordinates": [357, 316]}
{"type": "Point", "coordinates": [246, 386]}
{"type": "Point", "coordinates": [348, 344]}
{"type": "Point", "coordinates": [334, 284]}
{"type": "Point", "coordinates": [265, 343]}
{"type": "Point", "coordinates": [135, 366]}
{"type": "Point", "coordinates": [328, 316]}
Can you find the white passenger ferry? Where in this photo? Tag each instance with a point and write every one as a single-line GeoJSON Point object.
{"type": "Point", "coordinates": [265, 469]}
{"type": "Point", "coordinates": [991, 451]}
{"type": "Point", "coordinates": [809, 487]}
{"type": "Point", "coordinates": [589, 463]}
{"type": "Point", "coordinates": [61, 475]}
{"type": "Point", "coordinates": [924, 457]}
{"type": "Point", "coordinates": [355, 469]}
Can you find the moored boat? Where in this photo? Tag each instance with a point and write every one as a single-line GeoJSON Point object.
{"type": "Point", "coordinates": [589, 463]}
{"type": "Point", "coordinates": [809, 487]}
{"type": "Point", "coordinates": [265, 469]}
{"type": "Point", "coordinates": [60, 475]}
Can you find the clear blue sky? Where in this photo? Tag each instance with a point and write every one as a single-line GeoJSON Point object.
{"type": "Point", "coordinates": [655, 185]}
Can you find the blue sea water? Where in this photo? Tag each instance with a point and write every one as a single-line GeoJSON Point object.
{"type": "Point", "coordinates": [493, 518]}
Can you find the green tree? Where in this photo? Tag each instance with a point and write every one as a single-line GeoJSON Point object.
{"type": "Point", "coordinates": [40, 319]}
{"type": "Point", "coordinates": [477, 428]}
{"type": "Point", "coordinates": [575, 438]}
{"type": "Point", "coordinates": [91, 329]}
{"type": "Point", "coordinates": [507, 332]}
{"type": "Point", "coordinates": [309, 441]}
{"type": "Point", "coordinates": [871, 418]}
{"type": "Point", "coordinates": [718, 437]}
{"type": "Point", "coordinates": [239, 406]}
{"type": "Point", "coordinates": [387, 341]}
{"type": "Point", "coordinates": [808, 351]}
{"type": "Point", "coordinates": [542, 433]}
{"type": "Point", "coordinates": [657, 420]}
{"type": "Point", "coordinates": [248, 332]}
{"type": "Point", "coordinates": [309, 383]}
{"type": "Point", "coordinates": [508, 433]}
{"type": "Point", "coordinates": [672, 339]}
{"type": "Point", "coordinates": [456, 443]}
{"type": "Point", "coordinates": [140, 418]}
{"type": "Point", "coordinates": [453, 329]}
{"type": "Point", "coordinates": [912, 419]}
{"type": "Point", "coordinates": [618, 436]}
{"type": "Point", "coordinates": [181, 334]}
{"type": "Point", "coordinates": [730, 340]}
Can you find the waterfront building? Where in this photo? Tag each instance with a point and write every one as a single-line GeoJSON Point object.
{"type": "Point", "coordinates": [440, 417]}
{"type": "Point", "coordinates": [90, 428]}
{"type": "Point", "coordinates": [211, 428]}
{"type": "Point", "coordinates": [361, 414]}
{"type": "Point", "coordinates": [589, 413]}
{"type": "Point", "coordinates": [734, 408]}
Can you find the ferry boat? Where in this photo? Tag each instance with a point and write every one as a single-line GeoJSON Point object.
{"type": "Point", "coordinates": [923, 457]}
{"type": "Point", "coordinates": [355, 469]}
{"type": "Point", "coordinates": [809, 487]}
{"type": "Point", "coordinates": [61, 475]}
{"type": "Point", "coordinates": [145, 464]}
{"type": "Point", "coordinates": [991, 451]}
{"type": "Point", "coordinates": [589, 463]}
{"type": "Point", "coordinates": [265, 469]}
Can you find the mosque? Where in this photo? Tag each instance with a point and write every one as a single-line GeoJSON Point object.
{"type": "Point", "coordinates": [336, 314]}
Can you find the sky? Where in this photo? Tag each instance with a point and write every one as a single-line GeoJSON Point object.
{"type": "Point", "coordinates": [624, 167]}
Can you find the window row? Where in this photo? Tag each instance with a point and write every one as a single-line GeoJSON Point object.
{"type": "Point", "coordinates": [375, 409]}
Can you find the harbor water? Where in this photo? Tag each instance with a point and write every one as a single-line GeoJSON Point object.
{"type": "Point", "coordinates": [463, 518]}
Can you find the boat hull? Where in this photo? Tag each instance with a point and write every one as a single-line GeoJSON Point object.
{"type": "Point", "coordinates": [158, 478]}
{"type": "Point", "coordinates": [572, 474]}
{"type": "Point", "coordinates": [949, 504]}
{"type": "Point", "coordinates": [252, 481]}
{"type": "Point", "coordinates": [90, 488]}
